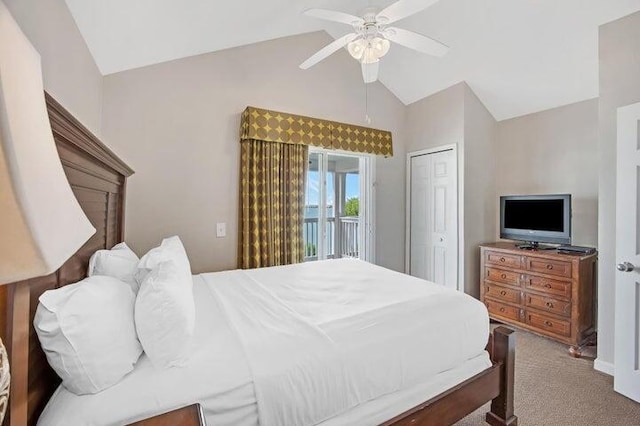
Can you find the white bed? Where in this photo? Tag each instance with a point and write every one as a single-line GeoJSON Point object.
{"type": "Point", "coordinates": [274, 331]}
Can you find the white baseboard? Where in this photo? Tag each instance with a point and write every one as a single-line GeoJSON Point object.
{"type": "Point", "coordinates": [603, 367]}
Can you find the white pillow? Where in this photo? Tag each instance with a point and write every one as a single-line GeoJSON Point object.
{"type": "Point", "coordinates": [165, 315]}
{"type": "Point", "coordinates": [170, 249]}
{"type": "Point", "coordinates": [87, 331]}
{"type": "Point", "coordinates": [120, 262]}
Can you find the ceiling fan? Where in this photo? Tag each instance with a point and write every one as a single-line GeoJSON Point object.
{"type": "Point", "coordinates": [371, 36]}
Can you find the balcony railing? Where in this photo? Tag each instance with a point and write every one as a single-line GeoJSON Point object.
{"type": "Point", "coordinates": [341, 242]}
{"type": "Point", "coordinates": [349, 240]}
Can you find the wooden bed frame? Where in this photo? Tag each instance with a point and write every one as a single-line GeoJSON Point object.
{"type": "Point", "coordinates": [494, 384]}
{"type": "Point", "coordinates": [98, 179]}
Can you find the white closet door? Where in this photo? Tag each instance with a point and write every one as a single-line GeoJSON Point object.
{"type": "Point", "coordinates": [433, 227]}
{"type": "Point", "coordinates": [419, 230]}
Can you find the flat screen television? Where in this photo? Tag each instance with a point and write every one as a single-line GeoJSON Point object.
{"type": "Point", "coordinates": [536, 218]}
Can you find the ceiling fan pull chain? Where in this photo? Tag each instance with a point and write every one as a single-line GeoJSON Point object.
{"type": "Point", "coordinates": [366, 104]}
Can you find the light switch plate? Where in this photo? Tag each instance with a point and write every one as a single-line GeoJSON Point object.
{"type": "Point", "coordinates": [221, 230]}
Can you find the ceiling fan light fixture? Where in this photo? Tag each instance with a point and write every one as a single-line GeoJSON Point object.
{"type": "Point", "coordinates": [381, 46]}
{"type": "Point", "coordinates": [357, 48]}
{"type": "Point", "coordinates": [368, 51]}
{"type": "Point", "coordinates": [370, 56]}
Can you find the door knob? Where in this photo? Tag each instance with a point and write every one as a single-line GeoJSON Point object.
{"type": "Point", "coordinates": [625, 267]}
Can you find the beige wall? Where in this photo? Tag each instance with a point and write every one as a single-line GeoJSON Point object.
{"type": "Point", "coordinates": [436, 120]}
{"type": "Point", "coordinates": [177, 125]}
{"type": "Point", "coordinates": [480, 202]}
{"type": "Point", "coordinates": [554, 152]}
{"type": "Point", "coordinates": [70, 73]}
{"type": "Point", "coordinates": [619, 86]}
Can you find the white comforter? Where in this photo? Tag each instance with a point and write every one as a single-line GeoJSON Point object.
{"type": "Point", "coordinates": [321, 338]}
{"type": "Point", "coordinates": [308, 343]}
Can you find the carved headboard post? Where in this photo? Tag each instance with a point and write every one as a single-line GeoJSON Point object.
{"type": "Point", "coordinates": [18, 351]}
{"type": "Point", "coordinates": [98, 179]}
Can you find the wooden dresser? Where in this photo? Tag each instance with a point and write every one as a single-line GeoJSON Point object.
{"type": "Point", "coordinates": [543, 291]}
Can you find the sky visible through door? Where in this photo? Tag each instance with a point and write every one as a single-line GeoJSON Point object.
{"type": "Point", "coordinates": [312, 195]}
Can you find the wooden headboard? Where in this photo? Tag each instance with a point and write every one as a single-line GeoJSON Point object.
{"type": "Point", "coordinates": [98, 179]}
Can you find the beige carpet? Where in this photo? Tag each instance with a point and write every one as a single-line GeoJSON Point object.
{"type": "Point", "coordinates": [554, 389]}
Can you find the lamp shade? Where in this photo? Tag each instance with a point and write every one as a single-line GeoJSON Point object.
{"type": "Point", "coordinates": [41, 222]}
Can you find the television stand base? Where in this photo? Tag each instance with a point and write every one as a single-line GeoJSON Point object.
{"type": "Point", "coordinates": [534, 246]}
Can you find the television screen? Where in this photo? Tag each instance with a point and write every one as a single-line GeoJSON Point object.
{"type": "Point", "coordinates": [536, 218]}
{"type": "Point", "coordinates": [538, 215]}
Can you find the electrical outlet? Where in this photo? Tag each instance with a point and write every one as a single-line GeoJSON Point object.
{"type": "Point", "coordinates": [221, 230]}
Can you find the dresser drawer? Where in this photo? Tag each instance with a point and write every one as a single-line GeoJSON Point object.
{"type": "Point", "coordinates": [502, 310]}
{"type": "Point", "coordinates": [553, 325]}
{"type": "Point", "coordinates": [501, 276]}
{"type": "Point", "coordinates": [551, 267]}
{"type": "Point", "coordinates": [549, 286]}
{"type": "Point", "coordinates": [508, 260]}
{"type": "Point", "coordinates": [548, 304]}
{"type": "Point", "coordinates": [501, 293]}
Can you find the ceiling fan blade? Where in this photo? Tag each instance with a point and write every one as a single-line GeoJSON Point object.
{"type": "Point", "coordinates": [331, 15]}
{"type": "Point", "coordinates": [328, 50]}
{"type": "Point", "coordinates": [370, 71]}
{"type": "Point", "coordinates": [416, 41]}
{"type": "Point", "coordinates": [401, 9]}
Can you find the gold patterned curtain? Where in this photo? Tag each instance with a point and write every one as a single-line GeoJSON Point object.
{"type": "Point", "coordinates": [272, 184]}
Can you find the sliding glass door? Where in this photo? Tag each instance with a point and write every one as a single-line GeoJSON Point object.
{"type": "Point", "coordinates": [338, 206]}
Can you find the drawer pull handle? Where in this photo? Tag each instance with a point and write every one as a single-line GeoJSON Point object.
{"type": "Point", "coordinates": [503, 293]}
{"type": "Point", "coordinates": [547, 285]}
{"type": "Point", "coordinates": [550, 304]}
{"type": "Point", "coordinates": [503, 276]}
{"type": "Point", "coordinates": [548, 323]}
{"type": "Point", "coordinates": [501, 309]}
{"type": "Point", "coordinates": [549, 266]}
{"type": "Point", "coordinates": [502, 259]}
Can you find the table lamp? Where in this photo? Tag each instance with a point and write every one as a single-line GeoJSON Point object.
{"type": "Point", "coordinates": [41, 222]}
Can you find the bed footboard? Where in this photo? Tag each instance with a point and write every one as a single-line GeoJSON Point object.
{"type": "Point", "coordinates": [502, 347]}
{"type": "Point", "coordinates": [494, 384]}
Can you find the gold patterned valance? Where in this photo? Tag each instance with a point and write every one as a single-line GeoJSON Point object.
{"type": "Point", "coordinates": [273, 126]}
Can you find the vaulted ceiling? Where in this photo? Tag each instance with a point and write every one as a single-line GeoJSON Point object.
{"type": "Point", "coordinates": [519, 56]}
